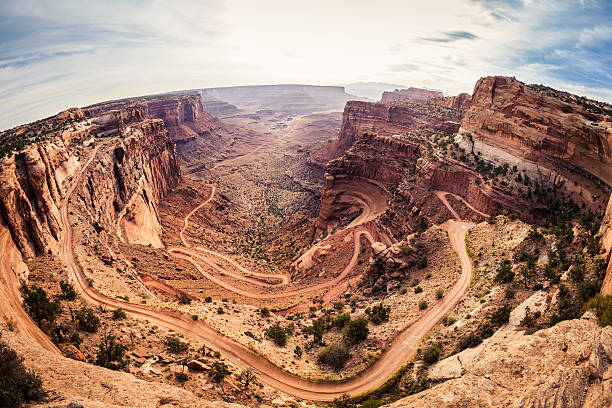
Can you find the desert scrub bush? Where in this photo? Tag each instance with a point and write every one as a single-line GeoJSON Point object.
{"type": "Point", "coordinates": [342, 319]}
{"type": "Point", "coordinates": [68, 292]}
{"type": "Point", "coordinates": [218, 371]}
{"type": "Point", "coordinates": [423, 305]}
{"type": "Point", "coordinates": [448, 320]}
{"type": "Point", "coordinates": [602, 306]}
{"type": "Point", "coordinates": [264, 311]}
{"type": "Point", "coordinates": [422, 262]}
{"type": "Point", "coordinates": [119, 314]}
{"type": "Point", "coordinates": [357, 330]}
{"type": "Point", "coordinates": [439, 293]}
{"type": "Point", "coordinates": [176, 345]}
{"type": "Point", "coordinates": [38, 305]}
{"type": "Point", "coordinates": [278, 334]}
{"type": "Point", "coordinates": [298, 351]}
{"type": "Point", "coordinates": [378, 313]}
{"type": "Point", "coordinates": [431, 354]}
{"type": "Point", "coordinates": [111, 354]}
{"type": "Point", "coordinates": [334, 356]}
{"type": "Point", "coordinates": [18, 385]}
{"type": "Point", "coordinates": [418, 289]}
{"type": "Point", "coordinates": [504, 273]}
{"type": "Point", "coordinates": [87, 320]}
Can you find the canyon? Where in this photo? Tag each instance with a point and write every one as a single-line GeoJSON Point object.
{"type": "Point", "coordinates": [217, 213]}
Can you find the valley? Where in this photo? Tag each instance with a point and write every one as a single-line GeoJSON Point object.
{"type": "Point", "coordinates": [260, 246]}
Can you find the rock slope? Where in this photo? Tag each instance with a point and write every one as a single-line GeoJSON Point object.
{"type": "Point", "coordinates": [562, 139]}
{"type": "Point", "coordinates": [567, 365]}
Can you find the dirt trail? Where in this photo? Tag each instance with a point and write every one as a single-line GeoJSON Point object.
{"type": "Point", "coordinates": [442, 196]}
{"type": "Point", "coordinates": [402, 348]}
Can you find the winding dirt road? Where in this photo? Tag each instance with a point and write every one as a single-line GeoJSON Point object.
{"type": "Point", "coordinates": [402, 348]}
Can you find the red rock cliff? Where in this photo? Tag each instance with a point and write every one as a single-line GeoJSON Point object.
{"type": "Point", "coordinates": [414, 95]}
{"type": "Point", "coordinates": [460, 102]}
{"type": "Point", "coordinates": [387, 120]}
{"type": "Point", "coordinates": [564, 137]}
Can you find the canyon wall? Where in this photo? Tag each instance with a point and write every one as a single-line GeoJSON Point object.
{"type": "Point", "coordinates": [388, 120]}
{"type": "Point", "coordinates": [414, 95]}
{"type": "Point", "coordinates": [542, 133]}
{"type": "Point", "coordinates": [606, 241]}
{"type": "Point", "coordinates": [130, 173]}
{"type": "Point", "coordinates": [460, 102]}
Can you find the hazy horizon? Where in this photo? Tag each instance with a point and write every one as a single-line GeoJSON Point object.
{"type": "Point", "coordinates": [69, 53]}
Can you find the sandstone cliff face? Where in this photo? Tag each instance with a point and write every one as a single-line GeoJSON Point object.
{"type": "Point", "coordinates": [403, 166]}
{"type": "Point", "coordinates": [122, 187]}
{"type": "Point", "coordinates": [387, 120]}
{"type": "Point", "coordinates": [562, 137]}
{"type": "Point", "coordinates": [460, 102]}
{"type": "Point", "coordinates": [567, 365]}
{"type": "Point", "coordinates": [606, 242]}
{"type": "Point", "coordinates": [414, 95]}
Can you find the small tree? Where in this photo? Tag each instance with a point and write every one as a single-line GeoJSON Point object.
{"type": "Point", "coordinates": [87, 319]}
{"type": "Point", "coordinates": [119, 314]}
{"type": "Point", "coordinates": [17, 384]}
{"type": "Point", "coordinates": [278, 334]}
{"type": "Point", "coordinates": [246, 378]}
{"type": "Point", "coordinates": [38, 304]}
{"type": "Point", "coordinates": [357, 330]}
{"type": "Point", "coordinates": [504, 273]}
{"type": "Point", "coordinates": [111, 354]}
{"type": "Point", "coordinates": [218, 371]}
{"type": "Point", "coordinates": [379, 313]}
{"type": "Point", "coordinates": [431, 353]}
{"type": "Point", "coordinates": [176, 345]}
{"type": "Point", "coordinates": [68, 291]}
{"type": "Point", "coordinates": [335, 356]}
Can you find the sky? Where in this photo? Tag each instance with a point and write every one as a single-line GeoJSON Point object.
{"type": "Point", "coordinates": [64, 53]}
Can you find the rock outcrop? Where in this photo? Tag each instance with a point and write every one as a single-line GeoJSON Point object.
{"type": "Point", "coordinates": [414, 95]}
{"type": "Point", "coordinates": [567, 365]}
{"type": "Point", "coordinates": [460, 102]}
{"type": "Point", "coordinates": [606, 241]}
{"type": "Point", "coordinates": [509, 121]}
{"type": "Point", "coordinates": [388, 120]}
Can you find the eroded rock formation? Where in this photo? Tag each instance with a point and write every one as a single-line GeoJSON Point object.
{"type": "Point", "coordinates": [553, 137]}
{"type": "Point", "coordinates": [460, 102]}
{"type": "Point", "coordinates": [388, 120]}
{"type": "Point", "coordinates": [414, 95]}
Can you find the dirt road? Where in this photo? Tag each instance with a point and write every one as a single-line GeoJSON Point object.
{"type": "Point", "coordinates": [402, 348]}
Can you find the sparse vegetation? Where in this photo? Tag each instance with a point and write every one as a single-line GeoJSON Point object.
{"type": "Point", "coordinates": [278, 334]}
{"type": "Point", "coordinates": [119, 314]}
{"type": "Point", "coordinates": [357, 330]}
{"type": "Point", "coordinates": [68, 292]}
{"type": "Point", "coordinates": [39, 306]}
{"type": "Point", "coordinates": [87, 320]}
{"type": "Point", "coordinates": [378, 313]}
{"type": "Point", "coordinates": [176, 345]}
{"type": "Point", "coordinates": [18, 385]}
{"type": "Point", "coordinates": [111, 354]}
{"type": "Point", "coordinates": [335, 356]}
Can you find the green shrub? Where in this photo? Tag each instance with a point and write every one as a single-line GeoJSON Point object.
{"type": "Point", "coordinates": [119, 314]}
{"type": "Point", "coordinates": [602, 306]}
{"type": "Point", "coordinates": [87, 319]}
{"type": "Point", "coordinates": [423, 305]}
{"type": "Point", "coordinates": [278, 334]}
{"type": "Point", "coordinates": [418, 289]}
{"type": "Point", "coordinates": [297, 351]}
{"type": "Point", "coordinates": [18, 385]}
{"type": "Point", "coordinates": [208, 299]}
{"type": "Point", "coordinates": [448, 320]}
{"type": "Point", "coordinates": [504, 273]}
{"type": "Point", "coordinates": [220, 310]}
{"type": "Point", "coordinates": [68, 291]}
{"type": "Point", "coordinates": [379, 313]}
{"type": "Point", "coordinates": [431, 354]}
{"type": "Point", "coordinates": [218, 371]}
{"type": "Point", "coordinates": [335, 356]}
{"type": "Point", "coordinates": [501, 315]}
{"type": "Point", "coordinates": [342, 319]}
{"type": "Point", "coordinates": [176, 345]}
{"type": "Point", "coordinates": [357, 330]}
{"type": "Point", "coordinates": [264, 311]}
{"type": "Point", "coordinates": [38, 305]}
{"type": "Point", "coordinates": [439, 293]}
{"type": "Point", "coordinates": [422, 263]}
{"type": "Point", "coordinates": [111, 354]}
